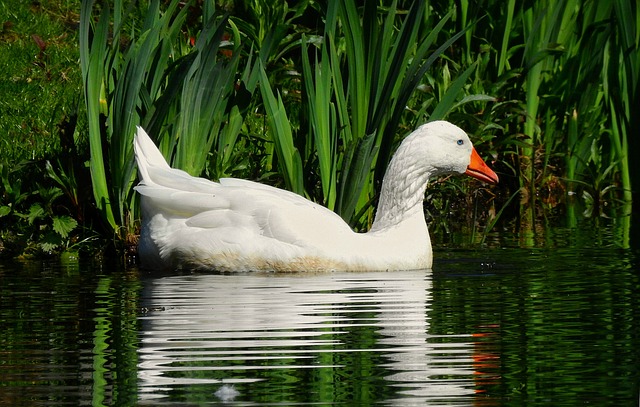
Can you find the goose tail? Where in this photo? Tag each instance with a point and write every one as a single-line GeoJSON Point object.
{"type": "Point", "coordinates": [147, 155]}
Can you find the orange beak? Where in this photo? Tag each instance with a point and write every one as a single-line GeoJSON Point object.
{"type": "Point", "coordinates": [479, 169]}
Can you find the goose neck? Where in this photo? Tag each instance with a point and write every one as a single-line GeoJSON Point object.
{"type": "Point", "coordinates": [401, 195]}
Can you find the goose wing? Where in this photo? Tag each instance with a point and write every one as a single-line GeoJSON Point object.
{"type": "Point", "coordinates": [246, 206]}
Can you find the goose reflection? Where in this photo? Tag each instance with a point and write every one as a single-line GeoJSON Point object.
{"type": "Point", "coordinates": [326, 337]}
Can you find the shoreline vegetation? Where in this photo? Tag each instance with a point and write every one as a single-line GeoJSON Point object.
{"type": "Point", "coordinates": [313, 97]}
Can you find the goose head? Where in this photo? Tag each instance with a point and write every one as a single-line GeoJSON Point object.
{"type": "Point", "coordinates": [433, 149]}
{"type": "Point", "coordinates": [441, 148]}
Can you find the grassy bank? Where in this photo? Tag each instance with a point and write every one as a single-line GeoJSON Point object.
{"type": "Point", "coordinates": [40, 81]}
{"type": "Point", "coordinates": [313, 97]}
{"type": "Point", "coordinates": [41, 88]}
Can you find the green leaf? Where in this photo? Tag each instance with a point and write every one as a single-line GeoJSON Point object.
{"type": "Point", "coordinates": [63, 225]}
{"type": "Point", "coordinates": [356, 168]}
{"type": "Point", "coordinates": [474, 98]}
{"type": "Point", "coordinates": [448, 100]}
{"type": "Point", "coordinates": [50, 242]}
{"type": "Point", "coordinates": [93, 53]}
{"type": "Point", "coordinates": [282, 136]}
{"type": "Point", "coordinates": [35, 211]}
{"type": "Point", "coordinates": [4, 210]}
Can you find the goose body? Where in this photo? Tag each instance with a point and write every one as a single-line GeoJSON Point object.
{"type": "Point", "coordinates": [240, 225]}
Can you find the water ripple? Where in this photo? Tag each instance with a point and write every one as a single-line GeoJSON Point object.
{"type": "Point", "coordinates": [254, 330]}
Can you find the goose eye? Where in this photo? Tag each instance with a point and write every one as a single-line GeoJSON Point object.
{"type": "Point", "coordinates": [460, 142]}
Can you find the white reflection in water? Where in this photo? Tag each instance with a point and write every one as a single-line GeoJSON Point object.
{"type": "Point", "coordinates": [204, 329]}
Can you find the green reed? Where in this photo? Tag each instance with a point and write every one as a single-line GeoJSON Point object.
{"type": "Point", "coordinates": [601, 61]}
{"type": "Point", "coordinates": [182, 94]}
{"type": "Point", "coordinates": [366, 69]}
{"type": "Point", "coordinates": [282, 136]}
{"type": "Point", "coordinates": [206, 94]}
{"type": "Point", "coordinates": [115, 82]}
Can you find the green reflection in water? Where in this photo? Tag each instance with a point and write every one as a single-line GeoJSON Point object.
{"type": "Point", "coordinates": [514, 326]}
{"type": "Point", "coordinates": [559, 327]}
{"type": "Point", "coordinates": [100, 340]}
{"type": "Point", "coordinates": [68, 336]}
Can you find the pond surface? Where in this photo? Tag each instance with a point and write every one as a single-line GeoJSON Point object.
{"type": "Point", "coordinates": [498, 326]}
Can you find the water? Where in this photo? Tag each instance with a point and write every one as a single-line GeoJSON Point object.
{"type": "Point", "coordinates": [489, 327]}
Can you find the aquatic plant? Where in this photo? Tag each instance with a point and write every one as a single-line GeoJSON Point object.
{"type": "Point", "coordinates": [161, 82]}
{"type": "Point", "coordinates": [357, 81]}
{"type": "Point", "coordinates": [39, 215]}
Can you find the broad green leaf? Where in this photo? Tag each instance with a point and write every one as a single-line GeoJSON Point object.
{"type": "Point", "coordinates": [63, 225]}
{"type": "Point", "coordinates": [35, 211]}
{"type": "Point", "coordinates": [4, 210]}
{"type": "Point", "coordinates": [50, 241]}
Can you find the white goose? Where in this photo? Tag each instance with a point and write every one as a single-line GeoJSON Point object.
{"type": "Point", "coordinates": [240, 225]}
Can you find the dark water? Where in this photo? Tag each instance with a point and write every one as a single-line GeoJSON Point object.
{"type": "Point", "coordinates": [498, 326]}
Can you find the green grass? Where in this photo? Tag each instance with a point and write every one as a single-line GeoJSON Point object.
{"type": "Point", "coordinates": [39, 87]}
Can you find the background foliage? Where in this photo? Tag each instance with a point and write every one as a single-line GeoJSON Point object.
{"type": "Point", "coordinates": [313, 97]}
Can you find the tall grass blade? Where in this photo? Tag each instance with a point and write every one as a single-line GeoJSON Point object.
{"type": "Point", "coordinates": [206, 93]}
{"type": "Point", "coordinates": [322, 118]}
{"type": "Point", "coordinates": [448, 101]}
{"type": "Point", "coordinates": [358, 156]}
{"type": "Point", "coordinates": [93, 54]}
{"type": "Point", "coordinates": [282, 136]}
